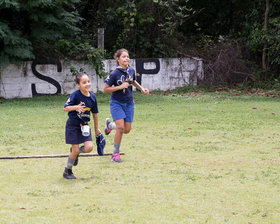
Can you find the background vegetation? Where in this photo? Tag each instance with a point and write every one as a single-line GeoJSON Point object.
{"type": "Point", "coordinates": [239, 40]}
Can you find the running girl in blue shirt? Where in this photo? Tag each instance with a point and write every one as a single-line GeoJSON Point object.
{"type": "Point", "coordinates": [79, 105]}
{"type": "Point", "coordinates": [119, 83]}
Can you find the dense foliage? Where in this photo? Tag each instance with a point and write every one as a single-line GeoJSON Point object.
{"type": "Point", "coordinates": [28, 28]}
{"type": "Point", "coordinates": [147, 28]}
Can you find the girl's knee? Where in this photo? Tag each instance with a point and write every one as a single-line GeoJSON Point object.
{"type": "Point", "coordinates": [126, 131]}
{"type": "Point", "coordinates": [120, 129]}
{"type": "Point", "coordinates": [127, 127]}
{"type": "Point", "coordinates": [88, 148]}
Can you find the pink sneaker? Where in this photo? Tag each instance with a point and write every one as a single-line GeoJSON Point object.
{"type": "Point", "coordinates": [116, 158]}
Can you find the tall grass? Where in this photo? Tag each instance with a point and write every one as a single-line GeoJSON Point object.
{"type": "Point", "coordinates": [190, 158]}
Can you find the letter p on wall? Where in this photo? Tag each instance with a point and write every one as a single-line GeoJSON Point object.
{"type": "Point", "coordinates": [141, 68]}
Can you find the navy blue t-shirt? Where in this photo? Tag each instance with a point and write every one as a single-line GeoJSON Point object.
{"type": "Point", "coordinates": [89, 101]}
{"type": "Point", "coordinates": [116, 78]}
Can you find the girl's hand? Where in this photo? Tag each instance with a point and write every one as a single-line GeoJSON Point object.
{"type": "Point", "coordinates": [97, 132]}
{"type": "Point", "coordinates": [80, 108]}
{"type": "Point", "coordinates": [146, 91]}
{"type": "Point", "coordinates": [124, 85]}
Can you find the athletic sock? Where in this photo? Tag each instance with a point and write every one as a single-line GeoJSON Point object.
{"type": "Point", "coordinates": [70, 163]}
{"type": "Point", "coordinates": [116, 148]}
{"type": "Point", "coordinates": [112, 126]}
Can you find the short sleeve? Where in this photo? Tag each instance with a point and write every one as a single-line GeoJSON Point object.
{"type": "Point", "coordinates": [94, 108]}
{"type": "Point", "coordinates": [110, 80]}
{"type": "Point", "coordinates": [71, 100]}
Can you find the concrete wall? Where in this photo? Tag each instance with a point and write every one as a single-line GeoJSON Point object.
{"type": "Point", "coordinates": [54, 77]}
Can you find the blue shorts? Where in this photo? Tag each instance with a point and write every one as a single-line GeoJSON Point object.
{"type": "Point", "coordinates": [73, 133]}
{"type": "Point", "coordinates": [122, 110]}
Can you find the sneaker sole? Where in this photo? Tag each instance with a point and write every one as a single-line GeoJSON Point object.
{"type": "Point", "coordinates": [106, 132]}
{"type": "Point", "coordinates": [71, 178]}
{"type": "Point", "coordinates": [118, 161]}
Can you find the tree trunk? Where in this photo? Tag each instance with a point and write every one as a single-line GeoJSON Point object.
{"type": "Point", "coordinates": [264, 62]}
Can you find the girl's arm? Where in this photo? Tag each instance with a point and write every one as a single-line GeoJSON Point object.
{"type": "Point", "coordinates": [138, 86]}
{"type": "Point", "coordinates": [80, 108]}
{"type": "Point", "coordinates": [96, 129]}
{"type": "Point", "coordinates": [110, 89]}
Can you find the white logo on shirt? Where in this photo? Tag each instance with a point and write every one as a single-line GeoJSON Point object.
{"type": "Point", "coordinates": [121, 80]}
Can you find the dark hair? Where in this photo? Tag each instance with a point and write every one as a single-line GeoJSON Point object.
{"type": "Point", "coordinates": [119, 52]}
{"type": "Point", "coordinates": [79, 76]}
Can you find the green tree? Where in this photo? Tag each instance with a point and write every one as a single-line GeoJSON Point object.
{"type": "Point", "coordinates": [147, 28]}
{"type": "Point", "coordinates": [261, 33]}
{"type": "Point", "coordinates": [27, 26]}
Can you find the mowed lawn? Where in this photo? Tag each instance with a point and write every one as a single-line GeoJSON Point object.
{"type": "Point", "coordinates": [190, 158]}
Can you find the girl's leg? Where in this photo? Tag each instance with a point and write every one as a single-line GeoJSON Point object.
{"type": "Point", "coordinates": [68, 174]}
{"type": "Point", "coordinates": [117, 140]}
{"type": "Point", "coordinates": [88, 146]}
{"type": "Point", "coordinates": [127, 127]}
{"type": "Point", "coordinates": [122, 127]}
{"type": "Point", "coordinates": [119, 131]}
{"type": "Point", "coordinates": [74, 152]}
{"type": "Point", "coordinates": [109, 126]}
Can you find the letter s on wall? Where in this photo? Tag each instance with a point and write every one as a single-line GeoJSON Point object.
{"type": "Point", "coordinates": [45, 78]}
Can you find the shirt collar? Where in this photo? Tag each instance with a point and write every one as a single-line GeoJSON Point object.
{"type": "Point", "coordinates": [123, 69]}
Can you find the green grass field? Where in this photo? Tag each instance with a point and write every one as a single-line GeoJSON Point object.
{"type": "Point", "coordinates": [199, 157]}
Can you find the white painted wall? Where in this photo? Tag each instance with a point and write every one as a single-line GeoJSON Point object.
{"type": "Point", "coordinates": [16, 81]}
